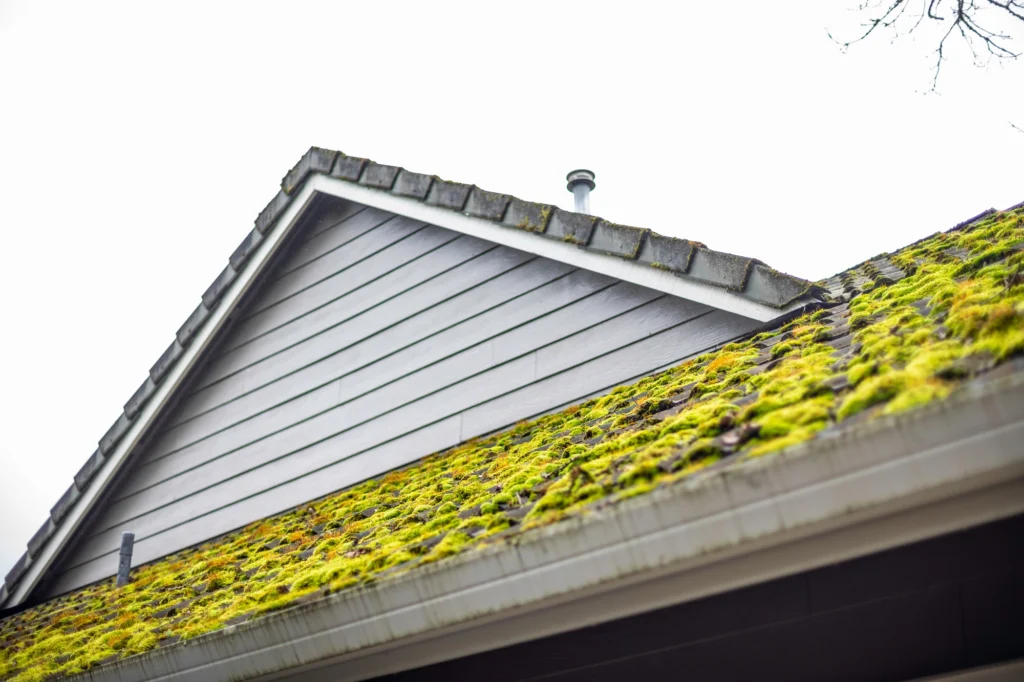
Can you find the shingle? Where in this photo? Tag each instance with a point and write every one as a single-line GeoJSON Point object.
{"type": "Point", "coordinates": [249, 245]}
{"type": "Point", "coordinates": [448, 194]}
{"type": "Point", "coordinates": [720, 269]}
{"type": "Point", "coordinates": [618, 240]}
{"type": "Point", "coordinates": [668, 253]}
{"type": "Point", "coordinates": [415, 185]}
{"type": "Point", "coordinates": [89, 469]}
{"type": "Point", "coordinates": [265, 220]}
{"type": "Point", "coordinates": [315, 160]}
{"type": "Point", "coordinates": [348, 167]}
{"type": "Point", "coordinates": [18, 570]}
{"type": "Point", "coordinates": [773, 287]}
{"type": "Point", "coordinates": [64, 504]}
{"type": "Point", "coordinates": [40, 537]}
{"type": "Point", "coordinates": [139, 398]}
{"type": "Point", "coordinates": [487, 205]}
{"type": "Point", "coordinates": [115, 433]}
{"type": "Point", "coordinates": [571, 227]}
{"type": "Point", "coordinates": [219, 286]}
{"type": "Point", "coordinates": [527, 215]}
{"type": "Point", "coordinates": [164, 363]}
{"type": "Point", "coordinates": [187, 330]}
{"type": "Point", "coordinates": [380, 176]}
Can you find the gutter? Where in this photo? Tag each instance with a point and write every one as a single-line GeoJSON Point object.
{"type": "Point", "coordinates": [890, 482]}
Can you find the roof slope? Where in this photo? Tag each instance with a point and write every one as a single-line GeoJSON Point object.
{"type": "Point", "coordinates": [949, 311]}
{"type": "Point", "coordinates": [690, 260]}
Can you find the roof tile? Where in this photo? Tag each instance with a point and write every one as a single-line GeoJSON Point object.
{"type": "Point", "coordinates": [187, 330]}
{"type": "Point", "coordinates": [773, 287]}
{"type": "Point", "coordinates": [20, 566]}
{"type": "Point", "coordinates": [159, 370]}
{"type": "Point", "coordinates": [139, 398]}
{"type": "Point", "coordinates": [265, 220]}
{"type": "Point", "coordinates": [59, 510]}
{"type": "Point", "coordinates": [415, 185]}
{"type": "Point", "coordinates": [618, 240]}
{"type": "Point", "coordinates": [40, 537]}
{"type": "Point", "coordinates": [219, 286]}
{"type": "Point", "coordinates": [576, 228]}
{"type": "Point", "coordinates": [115, 433]}
{"type": "Point", "coordinates": [248, 246]}
{"type": "Point", "coordinates": [721, 269]}
{"type": "Point", "coordinates": [89, 469]}
{"type": "Point", "coordinates": [487, 205]}
{"type": "Point", "coordinates": [348, 167]}
{"type": "Point", "coordinates": [527, 215]}
{"type": "Point", "coordinates": [380, 176]}
{"type": "Point", "coordinates": [668, 253]}
{"type": "Point", "coordinates": [315, 160]}
{"type": "Point", "coordinates": [448, 194]}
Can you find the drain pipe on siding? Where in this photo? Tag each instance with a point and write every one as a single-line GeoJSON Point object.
{"type": "Point", "coordinates": [125, 563]}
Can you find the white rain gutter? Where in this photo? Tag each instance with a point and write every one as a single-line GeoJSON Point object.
{"type": "Point", "coordinates": [530, 242]}
{"type": "Point", "coordinates": [883, 484]}
{"type": "Point", "coordinates": [167, 388]}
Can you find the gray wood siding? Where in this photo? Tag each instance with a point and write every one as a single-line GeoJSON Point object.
{"type": "Point", "coordinates": [376, 341]}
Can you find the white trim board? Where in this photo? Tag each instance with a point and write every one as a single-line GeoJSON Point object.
{"type": "Point", "coordinates": [164, 392]}
{"type": "Point", "coordinates": [885, 484]}
{"type": "Point", "coordinates": [530, 242]}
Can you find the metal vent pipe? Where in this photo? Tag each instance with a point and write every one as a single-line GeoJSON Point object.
{"type": "Point", "coordinates": [580, 183]}
{"type": "Point", "coordinates": [124, 566]}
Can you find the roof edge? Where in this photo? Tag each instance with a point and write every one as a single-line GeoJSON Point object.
{"type": "Point", "coordinates": [169, 372]}
{"type": "Point", "coordinates": [864, 490]}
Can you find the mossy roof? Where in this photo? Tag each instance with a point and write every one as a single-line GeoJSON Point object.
{"type": "Point", "coordinates": [903, 332]}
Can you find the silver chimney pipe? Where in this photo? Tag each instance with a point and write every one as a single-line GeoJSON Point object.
{"type": "Point", "coordinates": [580, 183]}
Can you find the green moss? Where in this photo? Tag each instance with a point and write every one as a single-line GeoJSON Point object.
{"type": "Point", "coordinates": [610, 448]}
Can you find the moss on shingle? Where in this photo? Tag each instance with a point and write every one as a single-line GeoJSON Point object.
{"type": "Point", "coordinates": [913, 341]}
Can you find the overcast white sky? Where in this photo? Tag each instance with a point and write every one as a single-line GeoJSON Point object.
{"type": "Point", "coordinates": [138, 142]}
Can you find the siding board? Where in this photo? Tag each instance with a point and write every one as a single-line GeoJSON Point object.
{"type": "Point", "coordinates": [382, 340]}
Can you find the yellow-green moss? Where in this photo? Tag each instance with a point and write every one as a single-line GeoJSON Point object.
{"type": "Point", "coordinates": [916, 340]}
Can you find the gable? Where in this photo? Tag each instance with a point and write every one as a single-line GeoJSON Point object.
{"type": "Point", "coordinates": [377, 340]}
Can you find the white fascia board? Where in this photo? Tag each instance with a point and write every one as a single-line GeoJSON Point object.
{"type": "Point", "coordinates": [153, 407]}
{"type": "Point", "coordinates": [531, 242]}
{"type": "Point", "coordinates": [883, 484]}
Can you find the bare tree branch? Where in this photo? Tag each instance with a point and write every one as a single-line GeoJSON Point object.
{"type": "Point", "coordinates": [974, 22]}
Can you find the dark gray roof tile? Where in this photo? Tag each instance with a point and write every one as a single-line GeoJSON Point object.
{"type": "Point", "coordinates": [63, 506]}
{"type": "Point", "coordinates": [348, 167]}
{"type": "Point", "coordinates": [618, 240]}
{"type": "Point", "coordinates": [667, 253]}
{"type": "Point", "coordinates": [219, 286]}
{"type": "Point", "coordinates": [576, 228]}
{"type": "Point", "coordinates": [40, 537]}
{"type": "Point", "coordinates": [187, 330]}
{"type": "Point", "coordinates": [265, 220]}
{"type": "Point", "coordinates": [378, 175]}
{"type": "Point", "coordinates": [773, 287]}
{"type": "Point", "coordinates": [139, 398]}
{"type": "Point", "coordinates": [720, 269]}
{"type": "Point", "coordinates": [158, 371]}
{"type": "Point", "coordinates": [527, 215]}
{"type": "Point", "coordinates": [315, 160]}
{"type": "Point", "coordinates": [115, 433]}
{"type": "Point", "coordinates": [487, 205]}
{"type": "Point", "coordinates": [241, 254]}
{"type": "Point", "coordinates": [448, 194]}
{"type": "Point", "coordinates": [19, 568]}
{"type": "Point", "coordinates": [415, 185]}
{"type": "Point", "coordinates": [89, 469]}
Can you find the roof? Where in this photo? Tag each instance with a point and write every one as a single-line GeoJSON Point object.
{"type": "Point", "coordinates": [747, 278]}
{"type": "Point", "coordinates": [942, 315]}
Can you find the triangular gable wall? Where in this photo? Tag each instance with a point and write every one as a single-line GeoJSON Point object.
{"type": "Point", "coordinates": [376, 340]}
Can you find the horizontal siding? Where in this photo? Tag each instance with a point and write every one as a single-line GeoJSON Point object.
{"type": "Point", "coordinates": [361, 365]}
